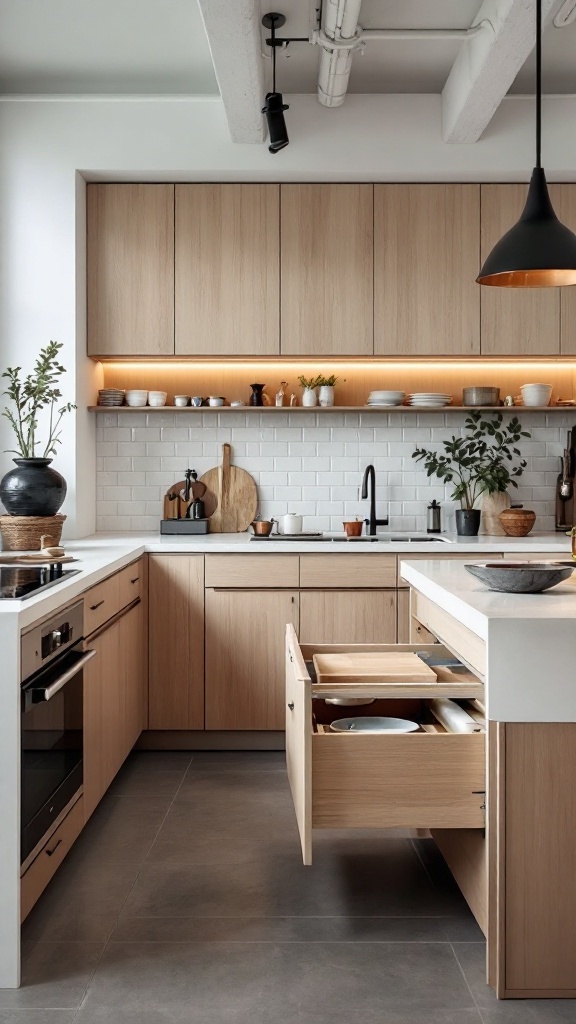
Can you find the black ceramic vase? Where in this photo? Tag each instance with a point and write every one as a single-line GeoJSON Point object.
{"type": "Point", "coordinates": [32, 489]}
{"type": "Point", "coordinates": [256, 396]}
{"type": "Point", "coordinates": [467, 522]}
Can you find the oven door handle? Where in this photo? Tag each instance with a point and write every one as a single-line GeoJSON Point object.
{"type": "Point", "coordinates": [42, 693]}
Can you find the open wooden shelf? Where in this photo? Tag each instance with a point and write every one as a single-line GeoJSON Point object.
{"type": "Point", "coordinates": [332, 408]}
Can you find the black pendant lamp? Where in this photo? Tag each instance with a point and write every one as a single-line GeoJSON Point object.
{"type": "Point", "coordinates": [539, 251]}
{"type": "Point", "coordinates": [275, 106]}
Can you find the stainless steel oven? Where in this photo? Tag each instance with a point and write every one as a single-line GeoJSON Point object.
{"type": "Point", "coordinates": [52, 700]}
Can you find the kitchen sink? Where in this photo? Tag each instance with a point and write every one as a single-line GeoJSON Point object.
{"type": "Point", "coordinates": [397, 538]}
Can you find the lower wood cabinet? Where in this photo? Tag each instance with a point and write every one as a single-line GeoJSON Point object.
{"type": "Point", "coordinates": [348, 616]}
{"type": "Point", "coordinates": [176, 642]}
{"type": "Point", "coordinates": [244, 682]}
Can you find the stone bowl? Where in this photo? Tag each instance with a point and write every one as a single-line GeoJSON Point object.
{"type": "Point", "coordinates": [517, 522]}
{"type": "Point", "coordinates": [521, 577]}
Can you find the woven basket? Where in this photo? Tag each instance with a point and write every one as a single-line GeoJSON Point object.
{"type": "Point", "coordinates": [23, 533]}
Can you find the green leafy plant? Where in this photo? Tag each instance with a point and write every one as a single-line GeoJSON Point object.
{"type": "Point", "coordinates": [481, 460]}
{"type": "Point", "coordinates": [329, 381]}
{"type": "Point", "coordinates": [309, 383]}
{"type": "Point", "coordinates": [39, 390]}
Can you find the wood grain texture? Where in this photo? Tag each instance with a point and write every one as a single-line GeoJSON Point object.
{"type": "Point", "coordinates": [326, 270]}
{"type": "Point", "coordinates": [133, 673]}
{"type": "Point", "coordinates": [465, 644]}
{"type": "Point", "coordinates": [231, 497]}
{"type": "Point", "coordinates": [347, 616]}
{"type": "Point", "coordinates": [370, 666]}
{"type": "Point", "coordinates": [523, 321]}
{"type": "Point", "coordinates": [176, 642]}
{"type": "Point", "coordinates": [465, 852]}
{"type": "Point", "coordinates": [419, 780]}
{"type": "Point", "coordinates": [540, 857]}
{"type": "Point", "coordinates": [130, 269]}
{"type": "Point", "coordinates": [564, 200]}
{"type": "Point", "coordinates": [496, 838]}
{"type": "Point", "coordinates": [45, 865]}
{"type": "Point", "coordinates": [245, 665]}
{"type": "Point", "coordinates": [258, 571]}
{"type": "Point", "coordinates": [403, 617]}
{"type": "Point", "coordinates": [343, 571]}
{"type": "Point", "coordinates": [299, 740]}
{"type": "Point", "coordinates": [101, 602]}
{"type": "Point", "coordinates": [227, 270]}
{"type": "Point", "coordinates": [104, 727]}
{"type": "Point", "coordinates": [426, 259]}
{"type": "Point", "coordinates": [131, 583]}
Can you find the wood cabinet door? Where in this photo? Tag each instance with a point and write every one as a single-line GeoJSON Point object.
{"type": "Point", "coordinates": [245, 639]}
{"type": "Point", "coordinates": [564, 200]}
{"type": "Point", "coordinates": [130, 270]}
{"type": "Point", "coordinates": [103, 716]}
{"type": "Point", "coordinates": [176, 641]}
{"type": "Point", "coordinates": [133, 674]}
{"type": "Point", "coordinates": [426, 260]}
{"type": "Point", "coordinates": [514, 321]}
{"type": "Point", "coordinates": [327, 235]}
{"type": "Point", "coordinates": [348, 617]}
{"type": "Point", "coordinates": [227, 270]}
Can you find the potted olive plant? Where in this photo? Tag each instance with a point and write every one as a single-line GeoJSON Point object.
{"type": "Point", "coordinates": [484, 460]}
{"type": "Point", "coordinates": [34, 488]}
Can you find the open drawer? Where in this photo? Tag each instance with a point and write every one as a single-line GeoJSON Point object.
{"type": "Point", "coordinates": [425, 779]}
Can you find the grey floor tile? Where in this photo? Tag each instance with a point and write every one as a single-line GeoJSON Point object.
{"type": "Point", "coordinates": [188, 1015]}
{"type": "Point", "coordinates": [55, 975]}
{"type": "Point", "coordinates": [291, 983]}
{"type": "Point", "coordinates": [239, 760]}
{"type": "Point", "coordinates": [472, 959]}
{"type": "Point", "coordinates": [36, 1016]}
{"type": "Point", "coordinates": [155, 774]}
{"type": "Point", "coordinates": [388, 881]}
{"type": "Point", "coordinates": [82, 903]}
{"type": "Point", "coordinates": [121, 831]}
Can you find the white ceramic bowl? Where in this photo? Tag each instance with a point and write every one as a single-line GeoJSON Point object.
{"type": "Point", "coordinates": [374, 725]}
{"type": "Point", "coordinates": [136, 398]}
{"type": "Point", "coordinates": [157, 398]}
{"type": "Point", "coordinates": [215, 400]}
{"type": "Point", "coordinates": [536, 394]}
{"type": "Point", "coordinates": [181, 400]}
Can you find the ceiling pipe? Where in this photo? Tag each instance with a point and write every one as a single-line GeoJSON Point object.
{"type": "Point", "coordinates": [340, 36]}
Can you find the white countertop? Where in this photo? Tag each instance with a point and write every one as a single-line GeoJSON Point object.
{"type": "Point", "coordinates": [530, 639]}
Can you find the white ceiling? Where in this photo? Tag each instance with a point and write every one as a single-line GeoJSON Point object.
{"type": "Point", "coordinates": [160, 47]}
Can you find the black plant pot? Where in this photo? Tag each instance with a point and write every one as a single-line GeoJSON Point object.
{"type": "Point", "coordinates": [33, 489]}
{"type": "Point", "coordinates": [467, 522]}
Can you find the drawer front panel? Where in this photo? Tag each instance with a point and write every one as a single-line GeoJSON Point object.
{"type": "Point", "coordinates": [418, 780]}
{"type": "Point", "coordinates": [45, 865]}
{"type": "Point", "coordinates": [458, 638]}
{"type": "Point", "coordinates": [357, 572]}
{"type": "Point", "coordinates": [101, 603]}
{"type": "Point", "coordinates": [130, 583]}
{"type": "Point", "coordinates": [252, 571]}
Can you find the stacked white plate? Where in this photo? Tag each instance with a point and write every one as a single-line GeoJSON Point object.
{"type": "Point", "coordinates": [387, 398]}
{"type": "Point", "coordinates": [429, 400]}
{"type": "Point", "coordinates": [110, 396]}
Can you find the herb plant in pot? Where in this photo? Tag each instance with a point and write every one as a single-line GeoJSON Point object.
{"type": "Point", "coordinates": [326, 393]}
{"type": "Point", "coordinates": [34, 488]}
{"type": "Point", "coordinates": [484, 460]}
{"type": "Point", "coordinates": [309, 385]}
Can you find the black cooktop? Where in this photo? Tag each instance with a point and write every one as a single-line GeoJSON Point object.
{"type": "Point", "coordinates": [20, 581]}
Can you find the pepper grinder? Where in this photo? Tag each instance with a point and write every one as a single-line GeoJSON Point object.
{"type": "Point", "coordinates": [434, 518]}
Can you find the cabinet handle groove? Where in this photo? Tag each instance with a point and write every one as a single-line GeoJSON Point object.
{"type": "Point", "coordinates": [50, 853]}
{"type": "Point", "coordinates": [135, 580]}
{"type": "Point", "coordinates": [93, 607]}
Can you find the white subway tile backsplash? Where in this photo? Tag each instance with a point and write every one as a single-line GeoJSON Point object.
{"type": "Point", "coordinates": [309, 463]}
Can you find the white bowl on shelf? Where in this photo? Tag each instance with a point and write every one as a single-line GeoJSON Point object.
{"type": "Point", "coordinates": [136, 398]}
{"type": "Point", "coordinates": [536, 394]}
{"type": "Point", "coordinates": [156, 399]}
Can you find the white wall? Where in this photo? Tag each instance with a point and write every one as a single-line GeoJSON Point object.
{"type": "Point", "coordinates": [44, 143]}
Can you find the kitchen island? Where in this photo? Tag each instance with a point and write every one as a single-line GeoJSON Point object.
{"type": "Point", "coordinates": [523, 647]}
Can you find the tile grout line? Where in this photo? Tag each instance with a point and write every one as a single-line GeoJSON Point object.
{"type": "Point", "coordinates": [462, 972]}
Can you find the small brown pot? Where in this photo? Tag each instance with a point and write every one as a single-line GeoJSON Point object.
{"type": "Point", "coordinates": [263, 527]}
{"type": "Point", "coordinates": [517, 522]}
{"type": "Point", "coordinates": [353, 528]}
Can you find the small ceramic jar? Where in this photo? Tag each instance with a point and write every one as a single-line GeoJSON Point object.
{"type": "Point", "coordinates": [157, 399]}
{"type": "Point", "coordinates": [181, 401]}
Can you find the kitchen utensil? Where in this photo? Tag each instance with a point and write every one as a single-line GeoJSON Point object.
{"type": "Point", "coordinates": [536, 394]}
{"type": "Point", "coordinates": [452, 716]}
{"type": "Point", "coordinates": [136, 399]}
{"type": "Point", "coordinates": [181, 401]}
{"type": "Point", "coordinates": [215, 401]}
{"type": "Point", "coordinates": [517, 522]}
{"type": "Point", "coordinates": [176, 509]}
{"type": "Point", "coordinates": [262, 527]}
{"type": "Point", "coordinates": [373, 667]}
{"type": "Point", "coordinates": [196, 401]}
{"type": "Point", "coordinates": [353, 528]}
{"type": "Point", "coordinates": [231, 498]}
{"type": "Point", "coordinates": [291, 524]}
{"type": "Point", "coordinates": [156, 399]}
{"type": "Point", "coordinates": [349, 701]}
{"type": "Point", "coordinates": [374, 725]}
{"type": "Point", "coordinates": [39, 559]}
{"type": "Point", "coordinates": [256, 396]}
{"type": "Point", "coordinates": [434, 517]}
{"type": "Point", "coordinates": [110, 397]}
{"type": "Point", "coordinates": [480, 396]}
{"type": "Point", "coordinates": [521, 577]}
{"type": "Point", "coordinates": [46, 549]}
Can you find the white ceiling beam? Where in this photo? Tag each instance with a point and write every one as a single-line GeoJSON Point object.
{"type": "Point", "coordinates": [233, 30]}
{"type": "Point", "coordinates": [486, 66]}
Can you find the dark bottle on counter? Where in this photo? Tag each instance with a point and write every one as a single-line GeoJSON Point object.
{"type": "Point", "coordinates": [256, 396]}
{"type": "Point", "coordinates": [434, 518]}
{"type": "Point", "coordinates": [565, 485]}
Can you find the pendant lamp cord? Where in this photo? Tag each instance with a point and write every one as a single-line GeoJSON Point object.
{"type": "Point", "coordinates": [273, 30]}
{"type": "Point", "coordinates": [538, 83]}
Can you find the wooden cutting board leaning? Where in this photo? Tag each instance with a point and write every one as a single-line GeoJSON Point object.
{"type": "Point", "coordinates": [231, 498]}
{"type": "Point", "coordinates": [375, 667]}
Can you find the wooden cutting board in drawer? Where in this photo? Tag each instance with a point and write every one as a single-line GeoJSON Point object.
{"type": "Point", "coordinates": [372, 666]}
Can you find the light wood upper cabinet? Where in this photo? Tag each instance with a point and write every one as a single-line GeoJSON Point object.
{"type": "Point", "coordinates": [514, 321]}
{"type": "Point", "coordinates": [176, 642]}
{"type": "Point", "coordinates": [348, 616]}
{"type": "Point", "coordinates": [245, 632]}
{"type": "Point", "coordinates": [326, 270]}
{"type": "Point", "coordinates": [426, 260]}
{"type": "Point", "coordinates": [130, 267]}
{"type": "Point", "coordinates": [227, 270]}
{"type": "Point", "coordinates": [564, 201]}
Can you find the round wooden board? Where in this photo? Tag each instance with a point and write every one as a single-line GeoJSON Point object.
{"type": "Point", "coordinates": [231, 498]}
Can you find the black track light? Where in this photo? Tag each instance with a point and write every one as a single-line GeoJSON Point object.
{"type": "Point", "coordinates": [274, 107]}
{"type": "Point", "coordinates": [539, 251]}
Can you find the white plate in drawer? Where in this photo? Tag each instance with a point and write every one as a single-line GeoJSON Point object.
{"type": "Point", "coordinates": [374, 725]}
